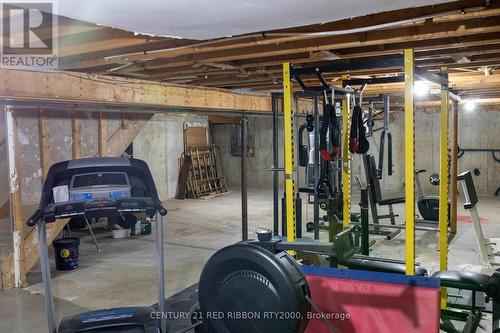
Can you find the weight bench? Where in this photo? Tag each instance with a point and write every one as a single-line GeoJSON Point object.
{"type": "Point", "coordinates": [373, 264]}
{"type": "Point", "coordinates": [489, 248]}
{"type": "Point", "coordinates": [475, 282]}
{"type": "Point", "coordinates": [376, 198]}
{"type": "Point", "coordinates": [345, 247]}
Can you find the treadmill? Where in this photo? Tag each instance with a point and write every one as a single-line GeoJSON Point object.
{"type": "Point", "coordinates": [139, 198]}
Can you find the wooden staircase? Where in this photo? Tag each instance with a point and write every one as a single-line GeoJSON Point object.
{"type": "Point", "coordinates": [131, 125]}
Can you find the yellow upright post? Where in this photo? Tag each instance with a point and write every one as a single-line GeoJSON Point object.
{"type": "Point", "coordinates": [443, 184]}
{"type": "Point", "coordinates": [289, 153]}
{"type": "Point", "coordinates": [409, 162]}
{"type": "Point", "coordinates": [346, 159]}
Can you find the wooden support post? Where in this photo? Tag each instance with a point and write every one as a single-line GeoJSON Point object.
{"type": "Point", "coordinates": [409, 131]}
{"type": "Point", "coordinates": [103, 135]}
{"type": "Point", "coordinates": [44, 143]}
{"type": "Point", "coordinates": [19, 267]}
{"type": "Point", "coordinates": [76, 133]}
{"type": "Point", "coordinates": [454, 167]}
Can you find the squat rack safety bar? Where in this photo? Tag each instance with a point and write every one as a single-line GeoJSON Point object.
{"type": "Point", "coordinates": [405, 62]}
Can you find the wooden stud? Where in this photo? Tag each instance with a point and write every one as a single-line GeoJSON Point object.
{"type": "Point", "coordinates": [18, 223]}
{"type": "Point", "coordinates": [44, 137]}
{"type": "Point", "coordinates": [76, 133]}
{"type": "Point", "coordinates": [124, 123]}
{"type": "Point", "coordinates": [102, 135]}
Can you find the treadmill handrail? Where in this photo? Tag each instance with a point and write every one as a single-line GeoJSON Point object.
{"type": "Point", "coordinates": [71, 167]}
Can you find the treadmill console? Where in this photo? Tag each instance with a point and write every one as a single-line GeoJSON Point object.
{"type": "Point", "coordinates": [104, 207]}
{"type": "Point", "coordinates": [98, 187]}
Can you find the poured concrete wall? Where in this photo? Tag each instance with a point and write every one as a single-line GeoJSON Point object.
{"type": "Point", "coordinates": [478, 129]}
{"type": "Point", "coordinates": [259, 165]}
{"type": "Point", "coordinates": [161, 144]}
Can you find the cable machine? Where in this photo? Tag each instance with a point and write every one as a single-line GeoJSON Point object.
{"type": "Point", "coordinates": [411, 73]}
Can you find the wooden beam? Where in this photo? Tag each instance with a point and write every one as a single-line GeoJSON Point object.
{"type": "Point", "coordinates": [443, 46]}
{"type": "Point", "coordinates": [105, 90]}
{"type": "Point", "coordinates": [467, 82]}
{"type": "Point", "coordinates": [215, 119]}
{"type": "Point", "coordinates": [76, 134]}
{"type": "Point", "coordinates": [226, 44]}
{"type": "Point", "coordinates": [387, 36]}
{"type": "Point", "coordinates": [98, 58]}
{"type": "Point", "coordinates": [275, 75]}
{"type": "Point", "coordinates": [44, 143]}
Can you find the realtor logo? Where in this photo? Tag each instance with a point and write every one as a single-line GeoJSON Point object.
{"type": "Point", "coordinates": [29, 35]}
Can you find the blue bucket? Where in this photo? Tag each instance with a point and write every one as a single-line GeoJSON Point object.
{"type": "Point", "coordinates": [66, 253]}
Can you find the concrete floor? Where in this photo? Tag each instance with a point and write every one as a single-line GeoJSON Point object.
{"type": "Point", "coordinates": [123, 273]}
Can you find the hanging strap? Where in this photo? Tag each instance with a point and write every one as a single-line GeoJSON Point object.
{"type": "Point", "coordinates": [354, 136]}
{"type": "Point", "coordinates": [358, 143]}
{"type": "Point", "coordinates": [363, 144]}
{"type": "Point", "coordinates": [380, 169]}
{"type": "Point", "coordinates": [329, 125]}
{"type": "Point", "coordinates": [389, 153]}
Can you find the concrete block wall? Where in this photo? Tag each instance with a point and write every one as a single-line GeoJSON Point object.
{"type": "Point", "coordinates": [259, 165]}
{"type": "Point", "coordinates": [477, 129]}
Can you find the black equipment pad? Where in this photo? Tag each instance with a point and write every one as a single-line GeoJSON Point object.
{"type": "Point", "coordinates": [470, 188]}
{"type": "Point", "coordinates": [462, 280]}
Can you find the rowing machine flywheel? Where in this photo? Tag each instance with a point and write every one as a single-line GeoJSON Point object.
{"type": "Point", "coordinates": [246, 288]}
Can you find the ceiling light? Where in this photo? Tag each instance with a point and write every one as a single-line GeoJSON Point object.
{"type": "Point", "coordinates": [421, 88]}
{"type": "Point", "coordinates": [470, 105]}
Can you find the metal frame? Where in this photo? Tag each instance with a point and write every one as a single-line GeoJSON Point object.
{"type": "Point", "coordinates": [489, 248]}
{"type": "Point", "coordinates": [409, 67]}
{"type": "Point", "coordinates": [289, 153]}
{"type": "Point", "coordinates": [406, 62]}
{"type": "Point", "coordinates": [244, 185]}
{"type": "Point", "coordinates": [346, 158]}
{"type": "Point", "coordinates": [317, 168]}
{"type": "Point", "coordinates": [47, 281]}
{"type": "Point", "coordinates": [376, 217]}
{"type": "Point", "coordinates": [443, 184]}
{"type": "Point", "coordinates": [276, 182]}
